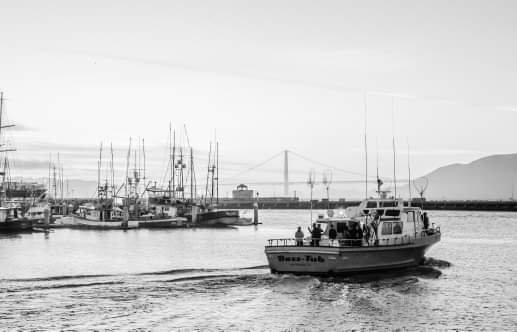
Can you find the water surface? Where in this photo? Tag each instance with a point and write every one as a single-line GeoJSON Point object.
{"type": "Point", "coordinates": [218, 279]}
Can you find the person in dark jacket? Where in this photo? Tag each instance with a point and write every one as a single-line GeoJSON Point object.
{"type": "Point", "coordinates": [425, 220]}
{"type": "Point", "coordinates": [332, 233]}
{"type": "Point", "coordinates": [316, 235]}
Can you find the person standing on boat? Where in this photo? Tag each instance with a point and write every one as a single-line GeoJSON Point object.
{"type": "Point", "coordinates": [425, 220]}
{"type": "Point", "coordinates": [316, 235]}
{"type": "Point", "coordinates": [332, 234]}
{"type": "Point", "coordinates": [311, 231]}
{"type": "Point", "coordinates": [299, 237]}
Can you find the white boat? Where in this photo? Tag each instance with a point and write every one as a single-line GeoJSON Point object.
{"type": "Point", "coordinates": [394, 236]}
{"type": "Point", "coordinates": [101, 217]}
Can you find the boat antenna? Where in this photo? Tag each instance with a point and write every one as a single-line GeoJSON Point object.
{"type": "Point", "coordinates": [393, 145]}
{"type": "Point", "coordinates": [365, 147]}
{"type": "Point", "coordinates": [310, 182]}
{"type": "Point", "coordinates": [379, 181]}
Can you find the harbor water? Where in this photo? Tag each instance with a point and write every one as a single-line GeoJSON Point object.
{"type": "Point", "coordinates": [217, 279]}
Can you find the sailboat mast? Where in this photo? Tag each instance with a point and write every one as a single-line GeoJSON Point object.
{"type": "Point", "coordinates": [217, 170]}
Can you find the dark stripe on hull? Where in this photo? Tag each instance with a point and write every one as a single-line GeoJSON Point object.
{"type": "Point", "coordinates": [16, 226]}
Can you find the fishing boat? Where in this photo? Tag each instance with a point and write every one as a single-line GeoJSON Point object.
{"type": "Point", "coordinates": [392, 235]}
{"type": "Point", "coordinates": [12, 220]}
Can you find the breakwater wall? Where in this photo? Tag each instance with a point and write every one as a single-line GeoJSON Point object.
{"type": "Point", "coordinates": [508, 206]}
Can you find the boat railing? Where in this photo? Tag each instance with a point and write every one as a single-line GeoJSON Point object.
{"type": "Point", "coordinates": [340, 243]}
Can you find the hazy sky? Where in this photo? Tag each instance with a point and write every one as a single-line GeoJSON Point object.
{"type": "Point", "coordinates": [267, 75]}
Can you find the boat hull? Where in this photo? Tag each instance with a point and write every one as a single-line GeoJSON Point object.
{"type": "Point", "coordinates": [346, 260]}
{"type": "Point", "coordinates": [81, 222]}
{"type": "Point", "coordinates": [16, 226]}
{"type": "Point", "coordinates": [162, 223]}
{"type": "Point", "coordinates": [218, 218]}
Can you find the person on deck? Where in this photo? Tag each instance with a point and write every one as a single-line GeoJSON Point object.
{"type": "Point", "coordinates": [332, 233]}
{"type": "Point", "coordinates": [316, 235]}
{"type": "Point", "coordinates": [311, 231]}
{"type": "Point", "coordinates": [358, 235]}
{"type": "Point", "coordinates": [425, 220]}
{"type": "Point", "coordinates": [299, 237]}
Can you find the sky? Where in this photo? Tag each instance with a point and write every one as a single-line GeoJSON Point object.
{"type": "Point", "coordinates": [262, 77]}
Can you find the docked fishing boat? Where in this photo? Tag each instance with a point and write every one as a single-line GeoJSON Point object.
{"type": "Point", "coordinates": [215, 217]}
{"type": "Point", "coordinates": [12, 220]}
{"type": "Point", "coordinates": [101, 216]}
{"type": "Point", "coordinates": [379, 234]}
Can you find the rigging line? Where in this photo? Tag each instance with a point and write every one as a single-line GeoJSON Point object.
{"type": "Point", "coordinates": [256, 166]}
{"type": "Point", "coordinates": [325, 165]}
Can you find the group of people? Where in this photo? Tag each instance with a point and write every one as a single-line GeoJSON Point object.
{"type": "Point", "coordinates": [315, 232]}
{"type": "Point", "coordinates": [354, 233]}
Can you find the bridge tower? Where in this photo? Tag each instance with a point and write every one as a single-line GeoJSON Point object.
{"type": "Point", "coordinates": [286, 173]}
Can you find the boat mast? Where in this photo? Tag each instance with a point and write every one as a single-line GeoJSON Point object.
{"type": "Point", "coordinates": [127, 173]}
{"type": "Point", "coordinates": [3, 193]}
{"type": "Point", "coordinates": [143, 155]}
{"type": "Point", "coordinates": [191, 175]}
{"type": "Point", "coordinates": [365, 147]}
{"type": "Point", "coordinates": [172, 165]}
{"type": "Point", "coordinates": [112, 171]}
{"type": "Point", "coordinates": [217, 170]}
{"type": "Point", "coordinates": [409, 172]}
{"type": "Point", "coordinates": [393, 145]}
{"type": "Point", "coordinates": [208, 172]}
{"type": "Point", "coordinates": [99, 165]}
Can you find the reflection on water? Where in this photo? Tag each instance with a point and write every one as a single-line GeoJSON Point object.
{"type": "Point", "coordinates": [217, 279]}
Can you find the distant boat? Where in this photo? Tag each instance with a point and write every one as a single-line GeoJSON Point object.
{"type": "Point", "coordinates": [396, 236]}
{"type": "Point", "coordinates": [101, 216]}
{"type": "Point", "coordinates": [12, 218]}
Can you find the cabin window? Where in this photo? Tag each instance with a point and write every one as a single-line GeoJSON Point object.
{"type": "Point", "coordinates": [380, 212]}
{"type": "Point", "coordinates": [397, 228]}
{"type": "Point", "coordinates": [386, 228]}
{"type": "Point", "coordinates": [392, 213]}
{"type": "Point", "coordinates": [340, 227]}
{"type": "Point", "coordinates": [389, 204]}
{"type": "Point", "coordinates": [371, 205]}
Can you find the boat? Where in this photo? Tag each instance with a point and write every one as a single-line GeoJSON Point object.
{"type": "Point", "coordinates": [102, 215]}
{"type": "Point", "coordinates": [161, 216]}
{"type": "Point", "coordinates": [12, 216]}
{"type": "Point", "coordinates": [214, 217]}
{"type": "Point", "coordinates": [396, 236]}
{"type": "Point", "coordinates": [12, 221]}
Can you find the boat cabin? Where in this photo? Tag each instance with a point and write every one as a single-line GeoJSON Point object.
{"type": "Point", "coordinates": [375, 222]}
{"type": "Point", "coordinates": [90, 212]}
